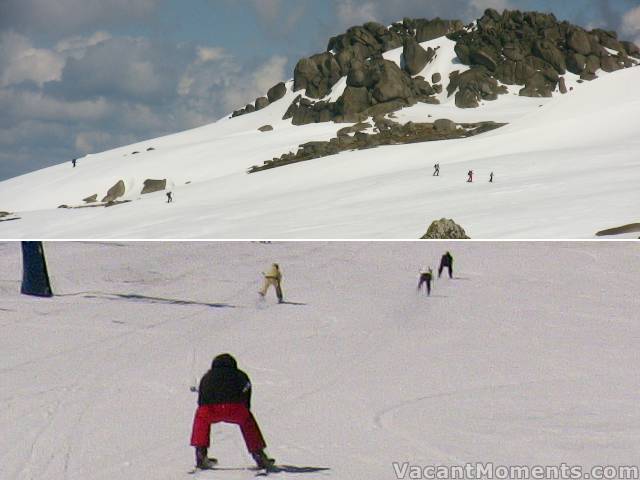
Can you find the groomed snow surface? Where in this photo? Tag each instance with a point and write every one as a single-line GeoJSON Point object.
{"type": "Point", "coordinates": [565, 167]}
{"type": "Point", "coordinates": [529, 356]}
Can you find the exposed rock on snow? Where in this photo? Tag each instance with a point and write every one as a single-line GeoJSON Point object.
{"type": "Point", "coordinates": [444, 125]}
{"type": "Point", "coordinates": [316, 75]}
{"type": "Point", "coordinates": [276, 92]}
{"type": "Point", "coordinates": [534, 49]}
{"type": "Point", "coordinates": [473, 86]}
{"type": "Point", "coordinates": [266, 128]}
{"type": "Point", "coordinates": [151, 186]}
{"type": "Point", "coordinates": [631, 228]}
{"type": "Point", "coordinates": [445, 229]}
{"type": "Point", "coordinates": [262, 102]}
{"type": "Point", "coordinates": [415, 58]}
{"type": "Point", "coordinates": [513, 48]}
{"type": "Point", "coordinates": [114, 192]}
{"type": "Point", "coordinates": [389, 133]}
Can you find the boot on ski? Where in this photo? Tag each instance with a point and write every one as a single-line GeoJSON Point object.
{"type": "Point", "coordinates": [203, 462]}
{"type": "Point", "coordinates": [262, 460]}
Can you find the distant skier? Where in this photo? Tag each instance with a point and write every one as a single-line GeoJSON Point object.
{"type": "Point", "coordinates": [169, 197]}
{"type": "Point", "coordinates": [470, 174]}
{"type": "Point", "coordinates": [224, 395]}
{"type": "Point", "coordinates": [446, 261]}
{"type": "Point", "coordinates": [426, 277]}
{"type": "Point", "coordinates": [273, 276]}
{"type": "Point", "coordinates": [491, 178]}
{"type": "Point", "coordinates": [436, 170]}
{"type": "Point", "coordinates": [73, 162]}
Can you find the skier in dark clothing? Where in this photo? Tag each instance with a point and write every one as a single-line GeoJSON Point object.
{"type": "Point", "coordinates": [470, 179]}
{"type": "Point", "coordinates": [224, 395]}
{"type": "Point", "coordinates": [436, 170]}
{"type": "Point", "coordinates": [73, 162]}
{"type": "Point", "coordinates": [426, 277]}
{"type": "Point", "coordinates": [446, 261]}
{"type": "Point", "coordinates": [169, 197]}
{"type": "Point", "coordinates": [491, 178]}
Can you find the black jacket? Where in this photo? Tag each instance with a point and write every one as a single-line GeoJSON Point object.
{"type": "Point", "coordinates": [446, 261]}
{"type": "Point", "coordinates": [224, 383]}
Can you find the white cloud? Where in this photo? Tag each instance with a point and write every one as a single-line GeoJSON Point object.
{"type": "Point", "coordinates": [21, 61]}
{"type": "Point", "coordinates": [76, 46]}
{"type": "Point", "coordinates": [209, 54]}
{"type": "Point", "coordinates": [34, 105]}
{"type": "Point", "coordinates": [270, 73]}
{"type": "Point", "coordinates": [244, 89]}
{"type": "Point", "coordinates": [631, 24]}
{"type": "Point", "coordinates": [350, 12]}
{"type": "Point", "coordinates": [87, 142]}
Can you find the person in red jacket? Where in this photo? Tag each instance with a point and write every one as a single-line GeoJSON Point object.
{"type": "Point", "coordinates": [224, 395]}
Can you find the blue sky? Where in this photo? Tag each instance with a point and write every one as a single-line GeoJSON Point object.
{"type": "Point", "coordinates": [81, 76]}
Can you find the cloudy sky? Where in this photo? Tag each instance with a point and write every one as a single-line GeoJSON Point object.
{"type": "Point", "coordinates": [81, 76]}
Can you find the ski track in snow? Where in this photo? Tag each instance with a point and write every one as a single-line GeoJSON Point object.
{"type": "Point", "coordinates": [528, 356]}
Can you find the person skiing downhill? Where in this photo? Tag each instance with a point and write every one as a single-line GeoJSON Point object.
{"type": "Point", "coordinates": [169, 197]}
{"type": "Point", "coordinates": [426, 277]}
{"type": "Point", "coordinates": [470, 179]}
{"type": "Point", "coordinates": [436, 170]}
{"type": "Point", "coordinates": [491, 178]}
{"type": "Point", "coordinates": [224, 395]}
{"type": "Point", "coordinates": [446, 261]}
{"type": "Point", "coordinates": [273, 276]}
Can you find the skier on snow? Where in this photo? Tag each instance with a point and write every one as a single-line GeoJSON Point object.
{"type": "Point", "coordinates": [273, 276]}
{"type": "Point", "coordinates": [446, 261]}
{"type": "Point", "coordinates": [436, 170]}
{"type": "Point", "coordinates": [426, 277]}
{"type": "Point", "coordinates": [225, 396]}
{"type": "Point", "coordinates": [470, 179]}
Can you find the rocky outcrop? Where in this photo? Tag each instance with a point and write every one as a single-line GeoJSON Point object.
{"type": "Point", "coordinates": [414, 57]}
{"type": "Point", "coordinates": [91, 199]}
{"type": "Point", "coordinates": [276, 92]}
{"type": "Point", "coordinates": [316, 75]}
{"type": "Point", "coordinates": [445, 229]}
{"type": "Point", "coordinates": [375, 87]}
{"type": "Point", "coordinates": [114, 192]}
{"type": "Point", "coordinates": [445, 125]}
{"type": "Point", "coordinates": [388, 133]}
{"type": "Point", "coordinates": [358, 127]}
{"type": "Point", "coordinates": [150, 186]}
{"type": "Point", "coordinates": [262, 102]}
{"type": "Point", "coordinates": [535, 49]}
{"type": "Point", "coordinates": [631, 228]}
{"type": "Point", "coordinates": [473, 86]}
{"type": "Point", "coordinates": [530, 49]}
{"type": "Point", "coordinates": [266, 128]}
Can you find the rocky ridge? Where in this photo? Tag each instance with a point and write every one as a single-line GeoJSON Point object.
{"type": "Point", "coordinates": [385, 132]}
{"type": "Point", "coordinates": [530, 49]}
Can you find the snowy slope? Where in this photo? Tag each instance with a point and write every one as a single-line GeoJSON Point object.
{"type": "Point", "coordinates": [565, 167]}
{"type": "Point", "coordinates": [529, 356]}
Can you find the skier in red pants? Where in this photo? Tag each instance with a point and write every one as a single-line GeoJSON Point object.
{"type": "Point", "coordinates": [224, 395]}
